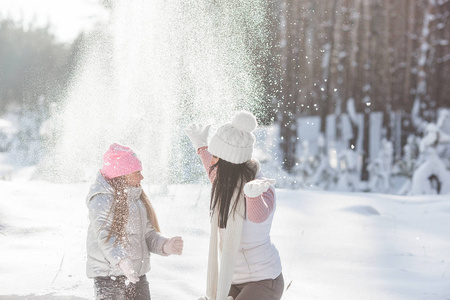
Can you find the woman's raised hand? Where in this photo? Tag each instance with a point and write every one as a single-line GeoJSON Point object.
{"type": "Point", "coordinates": [198, 135]}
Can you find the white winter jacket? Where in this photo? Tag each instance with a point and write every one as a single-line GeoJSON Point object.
{"type": "Point", "coordinates": [257, 258]}
{"type": "Point", "coordinates": [103, 257]}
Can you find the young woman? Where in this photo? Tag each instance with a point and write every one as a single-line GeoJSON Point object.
{"type": "Point", "coordinates": [242, 208]}
{"type": "Point", "coordinates": [123, 229]}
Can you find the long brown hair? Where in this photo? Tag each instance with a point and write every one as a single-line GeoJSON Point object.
{"type": "Point", "coordinates": [229, 176]}
{"type": "Point", "coordinates": [120, 211]}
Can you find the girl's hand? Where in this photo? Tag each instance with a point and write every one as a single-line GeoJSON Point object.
{"type": "Point", "coordinates": [198, 135]}
{"type": "Point", "coordinates": [127, 268]}
{"type": "Point", "coordinates": [256, 187]}
{"type": "Point", "coordinates": [174, 245]}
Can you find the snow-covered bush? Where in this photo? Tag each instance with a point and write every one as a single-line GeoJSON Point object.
{"type": "Point", "coordinates": [380, 168]}
{"type": "Point", "coordinates": [432, 175]}
{"type": "Point", "coordinates": [323, 175]}
{"type": "Point", "coordinates": [7, 132]}
{"type": "Point", "coordinates": [21, 141]}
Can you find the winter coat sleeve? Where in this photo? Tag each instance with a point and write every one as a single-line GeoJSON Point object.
{"type": "Point", "coordinates": [99, 210]}
{"type": "Point", "coordinates": [259, 208]}
{"type": "Point", "coordinates": [155, 240]}
{"type": "Point", "coordinates": [205, 156]}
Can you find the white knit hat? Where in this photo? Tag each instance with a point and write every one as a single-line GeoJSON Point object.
{"type": "Point", "coordinates": [234, 141]}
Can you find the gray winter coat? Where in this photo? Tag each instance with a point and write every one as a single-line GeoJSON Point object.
{"type": "Point", "coordinates": [103, 257]}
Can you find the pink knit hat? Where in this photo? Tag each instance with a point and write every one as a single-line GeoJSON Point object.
{"type": "Point", "coordinates": [118, 161]}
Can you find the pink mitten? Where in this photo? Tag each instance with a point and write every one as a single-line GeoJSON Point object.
{"type": "Point", "coordinates": [174, 245]}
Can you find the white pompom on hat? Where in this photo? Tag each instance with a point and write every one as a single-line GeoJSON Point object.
{"type": "Point", "coordinates": [234, 141]}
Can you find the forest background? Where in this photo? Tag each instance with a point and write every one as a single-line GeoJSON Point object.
{"type": "Point", "coordinates": [349, 62]}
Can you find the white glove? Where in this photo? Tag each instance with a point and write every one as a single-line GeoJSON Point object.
{"type": "Point", "coordinates": [174, 245]}
{"type": "Point", "coordinates": [198, 135]}
{"type": "Point", "coordinates": [256, 187]}
{"type": "Point", "coordinates": [127, 268]}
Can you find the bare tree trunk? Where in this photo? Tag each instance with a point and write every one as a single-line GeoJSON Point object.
{"type": "Point", "coordinates": [410, 8]}
{"type": "Point", "coordinates": [356, 66]}
{"type": "Point", "coordinates": [438, 78]}
{"type": "Point", "coordinates": [387, 63]}
{"type": "Point", "coordinates": [345, 65]}
{"type": "Point", "coordinates": [290, 84]}
{"type": "Point", "coordinates": [445, 58]}
{"type": "Point", "coordinates": [317, 12]}
{"type": "Point", "coordinates": [272, 68]}
{"type": "Point", "coordinates": [376, 55]}
{"type": "Point", "coordinates": [342, 85]}
{"type": "Point", "coordinates": [365, 101]}
{"type": "Point", "coordinates": [326, 99]}
{"type": "Point", "coordinates": [421, 103]}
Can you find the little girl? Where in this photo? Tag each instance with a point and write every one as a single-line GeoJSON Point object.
{"type": "Point", "coordinates": [123, 229]}
{"type": "Point", "coordinates": [242, 206]}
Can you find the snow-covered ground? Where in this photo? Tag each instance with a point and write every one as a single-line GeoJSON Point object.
{"type": "Point", "coordinates": [333, 245]}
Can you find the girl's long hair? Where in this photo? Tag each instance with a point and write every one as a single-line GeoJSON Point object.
{"type": "Point", "coordinates": [120, 211]}
{"type": "Point", "coordinates": [229, 176]}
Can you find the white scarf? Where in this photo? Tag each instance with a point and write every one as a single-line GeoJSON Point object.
{"type": "Point", "coordinates": [219, 280]}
